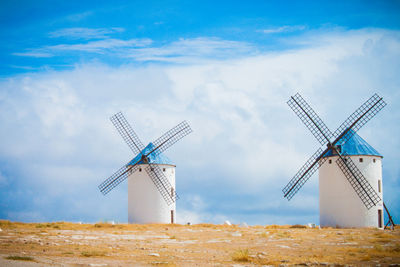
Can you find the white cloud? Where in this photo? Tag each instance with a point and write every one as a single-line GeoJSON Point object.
{"type": "Point", "coordinates": [101, 45]}
{"type": "Point", "coordinates": [85, 33]}
{"type": "Point", "coordinates": [284, 29]}
{"type": "Point", "coordinates": [246, 143]}
{"type": "Point", "coordinates": [194, 50]}
{"type": "Point", "coordinates": [105, 46]}
{"type": "Point", "coordinates": [37, 54]}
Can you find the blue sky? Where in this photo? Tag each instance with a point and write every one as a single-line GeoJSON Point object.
{"type": "Point", "coordinates": [228, 68]}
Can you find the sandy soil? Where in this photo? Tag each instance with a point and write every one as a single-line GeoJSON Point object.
{"type": "Point", "coordinates": [68, 244]}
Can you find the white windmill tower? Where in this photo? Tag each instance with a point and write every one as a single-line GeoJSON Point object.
{"type": "Point", "coordinates": [351, 183]}
{"type": "Point", "coordinates": [151, 175]}
{"type": "Point", "coordinates": [338, 205]}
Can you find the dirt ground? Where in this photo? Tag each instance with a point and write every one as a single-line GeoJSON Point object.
{"type": "Point", "coordinates": [68, 244]}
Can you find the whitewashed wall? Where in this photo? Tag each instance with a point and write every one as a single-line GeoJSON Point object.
{"type": "Point", "coordinates": [339, 204]}
{"type": "Point", "coordinates": [145, 203]}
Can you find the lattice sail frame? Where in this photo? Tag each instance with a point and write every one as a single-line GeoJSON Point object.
{"type": "Point", "coordinates": [127, 133]}
{"type": "Point", "coordinates": [359, 118]}
{"type": "Point", "coordinates": [310, 119]}
{"type": "Point", "coordinates": [359, 183]}
{"type": "Point", "coordinates": [305, 172]}
{"type": "Point", "coordinates": [156, 174]}
{"type": "Point", "coordinates": [161, 182]}
{"type": "Point", "coordinates": [171, 137]}
{"type": "Point", "coordinates": [354, 122]}
{"type": "Point", "coordinates": [115, 179]}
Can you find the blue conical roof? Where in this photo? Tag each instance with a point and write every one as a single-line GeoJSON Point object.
{"type": "Point", "coordinates": [156, 159]}
{"type": "Point", "coordinates": [355, 146]}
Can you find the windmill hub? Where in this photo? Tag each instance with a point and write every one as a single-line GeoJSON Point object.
{"type": "Point", "coordinates": [336, 149]}
{"type": "Point", "coordinates": [145, 159]}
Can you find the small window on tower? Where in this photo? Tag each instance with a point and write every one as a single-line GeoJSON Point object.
{"type": "Point", "coordinates": [163, 169]}
{"type": "Point", "coordinates": [140, 169]}
{"type": "Point", "coordinates": [330, 161]}
{"type": "Point", "coordinates": [361, 159]}
{"type": "Point", "coordinates": [373, 160]}
{"type": "Point", "coordinates": [379, 186]}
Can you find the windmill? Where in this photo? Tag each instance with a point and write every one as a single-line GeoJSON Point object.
{"type": "Point", "coordinates": [348, 189]}
{"type": "Point", "coordinates": [151, 183]}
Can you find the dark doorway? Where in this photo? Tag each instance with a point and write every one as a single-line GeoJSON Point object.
{"type": "Point", "coordinates": [380, 218]}
{"type": "Point", "coordinates": [172, 216]}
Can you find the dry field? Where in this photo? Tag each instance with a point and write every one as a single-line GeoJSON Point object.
{"type": "Point", "coordinates": [68, 244]}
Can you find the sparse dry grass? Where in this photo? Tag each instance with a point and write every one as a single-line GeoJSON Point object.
{"type": "Point", "coordinates": [93, 253]}
{"type": "Point", "coordinates": [299, 226]}
{"type": "Point", "coordinates": [19, 258]}
{"type": "Point", "coordinates": [202, 244]}
{"type": "Point", "coordinates": [241, 255]}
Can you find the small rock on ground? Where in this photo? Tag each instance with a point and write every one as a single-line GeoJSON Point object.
{"type": "Point", "coordinates": [154, 254]}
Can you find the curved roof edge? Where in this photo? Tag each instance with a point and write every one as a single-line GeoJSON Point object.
{"type": "Point", "coordinates": [153, 158]}
{"type": "Point", "coordinates": [355, 146]}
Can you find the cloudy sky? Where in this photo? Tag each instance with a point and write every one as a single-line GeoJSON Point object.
{"type": "Point", "coordinates": [227, 67]}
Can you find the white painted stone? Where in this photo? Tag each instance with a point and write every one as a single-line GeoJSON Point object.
{"type": "Point", "coordinates": [236, 234]}
{"type": "Point", "coordinates": [145, 202]}
{"type": "Point", "coordinates": [154, 254]}
{"type": "Point", "coordinates": [339, 204]}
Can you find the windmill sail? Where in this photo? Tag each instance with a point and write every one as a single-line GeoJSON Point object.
{"type": "Point", "coordinates": [116, 178]}
{"type": "Point", "coordinates": [359, 118]}
{"type": "Point", "coordinates": [127, 133]}
{"type": "Point", "coordinates": [162, 184]}
{"type": "Point", "coordinates": [305, 172]}
{"type": "Point", "coordinates": [360, 185]}
{"type": "Point", "coordinates": [310, 119]}
{"type": "Point", "coordinates": [171, 137]}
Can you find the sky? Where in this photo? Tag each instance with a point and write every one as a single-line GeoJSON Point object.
{"type": "Point", "coordinates": [227, 67]}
